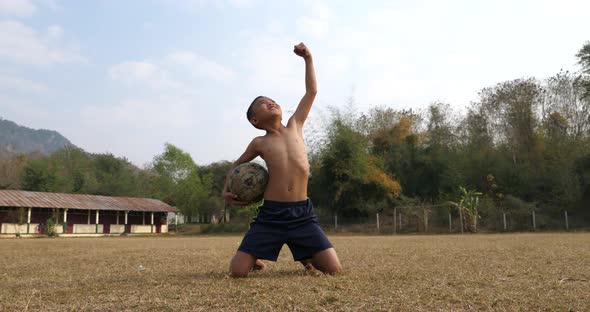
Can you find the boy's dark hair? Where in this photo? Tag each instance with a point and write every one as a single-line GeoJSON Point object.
{"type": "Point", "coordinates": [250, 112]}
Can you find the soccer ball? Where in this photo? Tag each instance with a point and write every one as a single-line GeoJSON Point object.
{"type": "Point", "coordinates": [248, 181]}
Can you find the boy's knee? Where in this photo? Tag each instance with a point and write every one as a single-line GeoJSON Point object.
{"type": "Point", "coordinates": [238, 270]}
{"type": "Point", "coordinates": [333, 268]}
{"type": "Point", "coordinates": [238, 274]}
{"type": "Point", "coordinates": [241, 264]}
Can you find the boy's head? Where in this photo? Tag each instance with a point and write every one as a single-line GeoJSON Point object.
{"type": "Point", "coordinates": [262, 110]}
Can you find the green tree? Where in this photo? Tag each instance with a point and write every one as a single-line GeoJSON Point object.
{"type": "Point", "coordinates": [345, 177]}
{"type": "Point", "coordinates": [177, 181]}
{"type": "Point", "coordinates": [584, 60]}
{"type": "Point", "coordinates": [37, 176]}
{"type": "Point", "coordinates": [114, 176]}
{"type": "Point", "coordinates": [467, 205]}
{"type": "Point", "coordinates": [216, 174]}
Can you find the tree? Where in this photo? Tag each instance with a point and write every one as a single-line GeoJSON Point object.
{"type": "Point", "coordinates": [216, 173]}
{"type": "Point", "coordinates": [177, 181]}
{"type": "Point", "coordinates": [467, 206]}
{"type": "Point", "coordinates": [170, 167]}
{"type": "Point", "coordinates": [114, 176]}
{"type": "Point", "coordinates": [37, 176]}
{"type": "Point", "coordinates": [76, 171]}
{"type": "Point", "coordinates": [584, 57]}
{"type": "Point", "coordinates": [189, 195]}
{"type": "Point", "coordinates": [345, 177]}
{"type": "Point", "coordinates": [564, 95]}
{"type": "Point", "coordinates": [11, 167]}
{"type": "Point", "coordinates": [584, 60]}
{"type": "Point", "coordinates": [513, 107]}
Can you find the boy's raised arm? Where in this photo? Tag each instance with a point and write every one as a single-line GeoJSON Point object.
{"type": "Point", "coordinates": [311, 87]}
{"type": "Point", "coordinates": [250, 153]}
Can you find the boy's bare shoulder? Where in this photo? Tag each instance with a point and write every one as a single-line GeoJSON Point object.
{"type": "Point", "coordinates": [258, 141]}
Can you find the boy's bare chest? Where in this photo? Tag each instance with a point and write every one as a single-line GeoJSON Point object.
{"type": "Point", "coordinates": [287, 144]}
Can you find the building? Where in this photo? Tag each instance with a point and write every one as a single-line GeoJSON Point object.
{"type": "Point", "coordinates": [29, 213]}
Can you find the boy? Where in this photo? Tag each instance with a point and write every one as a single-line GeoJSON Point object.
{"type": "Point", "coordinates": [286, 215]}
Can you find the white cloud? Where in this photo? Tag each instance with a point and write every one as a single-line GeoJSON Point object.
{"type": "Point", "coordinates": [55, 32]}
{"type": "Point", "coordinates": [242, 3]}
{"type": "Point", "coordinates": [164, 112]}
{"type": "Point", "coordinates": [132, 72]}
{"type": "Point", "coordinates": [50, 4]}
{"type": "Point", "coordinates": [138, 128]}
{"type": "Point", "coordinates": [273, 69]}
{"type": "Point", "coordinates": [219, 4]}
{"type": "Point", "coordinates": [275, 26]}
{"type": "Point", "coordinates": [316, 25]}
{"type": "Point", "coordinates": [201, 67]}
{"type": "Point", "coordinates": [21, 85]}
{"type": "Point", "coordinates": [21, 8]}
{"type": "Point", "coordinates": [25, 112]}
{"type": "Point", "coordinates": [175, 71]}
{"type": "Point", "coordinates": [313, 26]}
{"type": "Point", "coordinates": [22, 44]}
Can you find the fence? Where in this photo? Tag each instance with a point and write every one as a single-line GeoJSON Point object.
{"type": "Point", "coordinates": [444, 219]}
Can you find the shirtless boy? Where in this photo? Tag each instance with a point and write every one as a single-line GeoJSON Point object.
{"type": "Point", "coordinates": [286, 214]}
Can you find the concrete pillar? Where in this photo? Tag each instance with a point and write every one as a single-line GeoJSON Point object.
{"type": "Point", "coordinates": [88, 216]}
{"type": "Point", "coordinates": [394, 220]}
{"type": "Point", "coordinates": [176, 222]}
{"type": "Point", "coordinates": [65, 221]}
{"type": "Point", "coordinates": [126, 213]}
{"type": "Point", "coordinates": [97, 221]}
{"type": "Point", "coordinates": [143, 218]}
{"type": "Point", "coordinates": [117, 217]}
{"type": "Point", "coordinates": [450, 223]}
{"type": "Point", "coordinates": [152, 223]}
{"type": "Point", "coordinates": [29, 219]}
{"type": "Point", "coordinates": [377, 222]}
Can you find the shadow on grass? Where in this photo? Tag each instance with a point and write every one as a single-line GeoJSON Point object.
{"type": "Point", "coordinates": [253, 275]}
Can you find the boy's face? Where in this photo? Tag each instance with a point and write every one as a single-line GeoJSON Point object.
{"type": "Point", "coordinates": [266, 108]}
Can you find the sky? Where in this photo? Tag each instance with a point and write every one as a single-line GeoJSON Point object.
{"type": "Point", "coordinates": [126, 77]}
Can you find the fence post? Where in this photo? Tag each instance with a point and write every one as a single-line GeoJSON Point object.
{"type": "Point", "coordinates": [377, 221]}
{"type": "Point", "coordinates": [400, 221]}
{"type": "Point", "coordinates": [335, 221]}
{"type": "Point", "coordinates": [534, 221]}
{"type": "Point", "coordinates": [567, 225]}
{"type": "Point", "coordinates": [450, 223]}
{"type": "Point", "coordinates": [461, 218]}
{"type": "Point", "coordinates": [425, 213]}
{"type": "Point", "coordinates": [394, 220]}
{"type": "Point", "coordinates": [504, 218]}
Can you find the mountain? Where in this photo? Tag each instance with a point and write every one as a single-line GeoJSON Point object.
{"type": "Point", "coordinates": [15, 139]}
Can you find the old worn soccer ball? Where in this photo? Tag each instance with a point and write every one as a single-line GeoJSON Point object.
{"type": "Point", "coordinates": [248, 181]}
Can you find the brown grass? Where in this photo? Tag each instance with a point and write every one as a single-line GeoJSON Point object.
{"type": "Point", "coordinates": [414, 273]}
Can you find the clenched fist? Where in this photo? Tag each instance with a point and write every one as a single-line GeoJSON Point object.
{"type": "Point", "coordinates": [302, 50]}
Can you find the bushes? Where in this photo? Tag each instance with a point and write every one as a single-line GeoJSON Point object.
{"type": "Point", "coordinates": [49, 228]}
{"type": "Point", "coordinates": [223, 228]}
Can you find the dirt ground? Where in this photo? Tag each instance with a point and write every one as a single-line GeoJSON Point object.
{"type": "Point", "coordinates": [500, 272]}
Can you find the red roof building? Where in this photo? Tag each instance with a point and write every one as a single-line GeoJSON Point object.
{"type": "Point", "coordinates": [23, 212]}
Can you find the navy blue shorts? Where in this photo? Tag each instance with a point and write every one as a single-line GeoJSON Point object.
{"type": "Point", "coordinates": [291, 223]}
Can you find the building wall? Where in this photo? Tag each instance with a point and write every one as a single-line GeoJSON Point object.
{"type": "Point", "coordinates": [78, 221]}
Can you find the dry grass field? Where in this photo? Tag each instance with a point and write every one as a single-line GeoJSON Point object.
{"type": "Point", "coordinates": [510, 272]}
